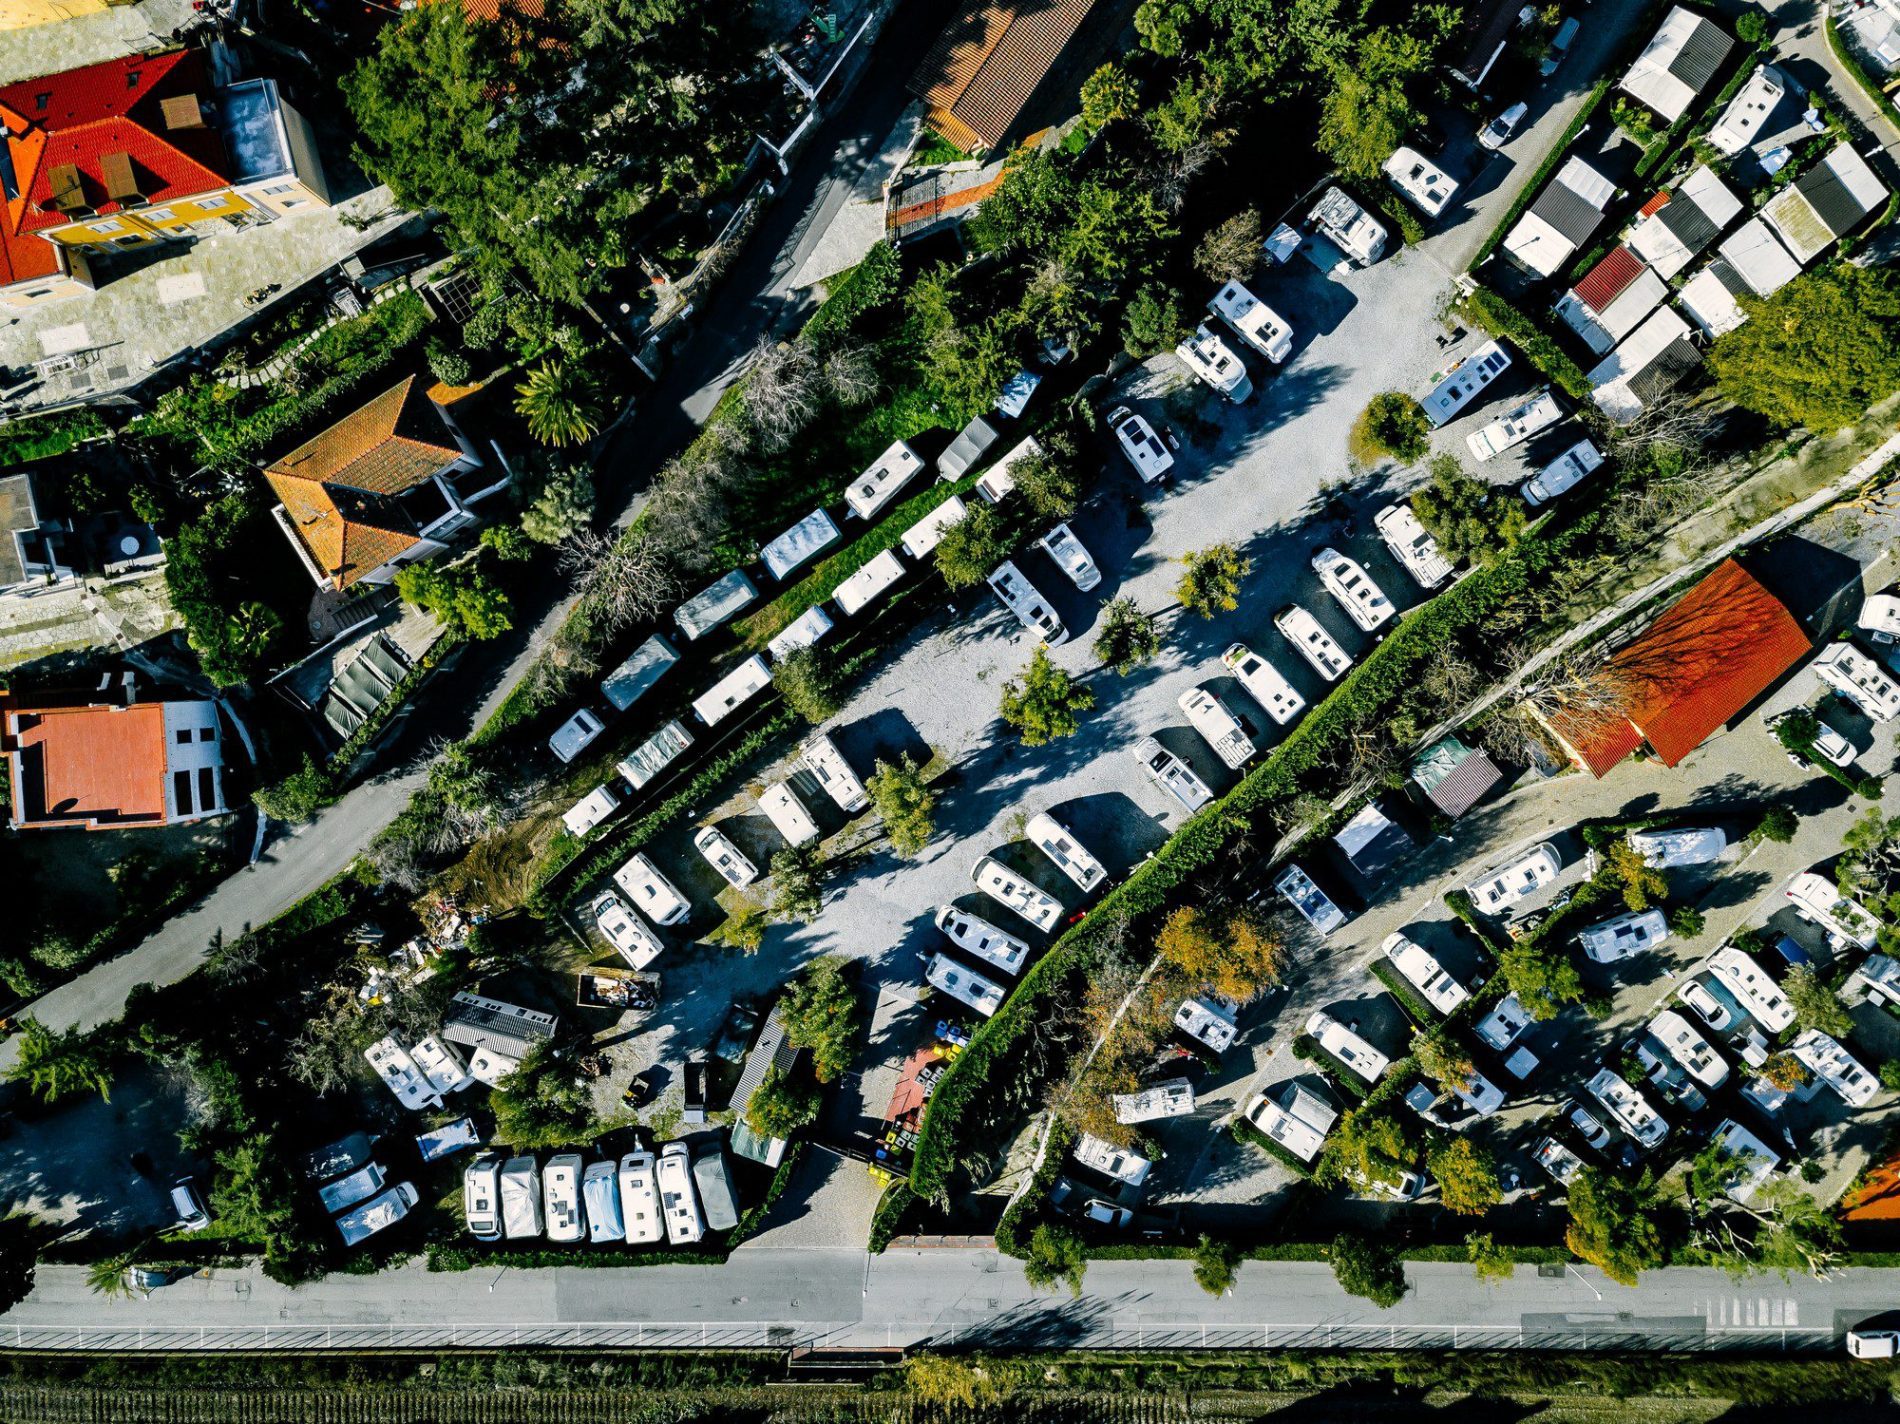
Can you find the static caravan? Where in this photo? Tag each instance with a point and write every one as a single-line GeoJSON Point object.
{"type": "Point", "coordinates": [634, 678]}
{"type": "Point", "coordinates": [785, 811]}
{"type": "Point", "coordinates": [927, 533]}
{"type": "Point", "coordinates": [1460, 385]}
{"type": "Point", "coordinates": [804, 631]}
{"type": "Point", "coordinates": [964, 985]}
{"type": "Point", "coordinates": [799, 544]}
{"type": "Point", "coordinates": [654, 755]}
{"type": "Point", "coordinates": [714, 604]}
{"type": "Point", "coordinates": [401, 1075]}
{"type": "Point", "coordinates": [834, 773]}
{"type": "Point", "coordinates": [732, 691]}
{"type": "Point", "coordinates": [678, 1200]}
{"type": "Point", "coordinates": [880, 484]}
{"type": "Point", "coordinates": [1174, 1098]}
{"type": "Point", "coordinates": [870, 582]}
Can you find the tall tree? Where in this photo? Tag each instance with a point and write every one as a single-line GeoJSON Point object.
{"type": "Point", "coordinates": [1611, 1225]}
{"type": "Point", "coordinates": [54, 1064]}
{"type": "Point", "coordinates": [1042, 702]}
{"type": "Point", "coordinates": [1818, 352]}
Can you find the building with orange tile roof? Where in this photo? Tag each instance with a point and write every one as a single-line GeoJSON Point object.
{"type": "Point", "coordinates": [377, 490]}
{"type": "Point", "coordinates": [1698, 666]}
{"type": "Point", "coordinates": [101, 766]}
{"type": "Point", "coordinates": [986, 66]}
{"type": "Point", "coordinates": [138, 150]}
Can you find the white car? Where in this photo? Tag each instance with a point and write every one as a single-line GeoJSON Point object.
{"type": "Point", "coordinates": [1497, 133]}
{"type": "Point", "coordinates": [1061, 545]}
{"type": "Point", "coordinates": [1711, 1010]}
{"type": "Point", "coordinates": [725, 857]}
{"type": "Point", "coordinates": [1364, 601]}
{"type": "Point", "coordinates": [1873, 1344]}
{"type": "Point", "coordinates": [626, 931]}
{"type": "Point", "coordinates": [1264, 683]}
{"type": "Point", "coordinates": [1171, 774]}
{"type": "Point", "coordinates": [1624, 935]}
{"type": "Point", "coordinates": [561, 1197]}
{"type": "Point", "coordinates": [1561, 474]}
{"type": "Point", "coordinates": [1011, 890]}
{"type": "Point", "coordinates": [1589, 1127]}
{"type": "Point", "coordinates": [1829, 744]}
{"type": "Point", "coordinates": [1540, 412]}
{"type": "Point", "coordinates": [1140, 444]}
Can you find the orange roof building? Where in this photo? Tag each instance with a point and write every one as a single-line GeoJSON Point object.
{"type": "Point", "coordinates": [104, 766]}
{"type": "Point", "coordinates": [1698, 666]}
{"type": "Point", "coordinates": [986, 66]}
{"type": "Point", "coordinates": [376, 490]}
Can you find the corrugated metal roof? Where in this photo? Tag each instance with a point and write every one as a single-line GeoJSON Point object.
{"type": "Point", "coordinates": [1701, 55]}
{"type": "Point", "coordinates": [1609, 279]}
{"type": "Point", "coordinates": [1690, 224]}
{"type": "Point", "coordinates": [1568, 212]}
{"type": "Point", "coordinates": [1833, 202]}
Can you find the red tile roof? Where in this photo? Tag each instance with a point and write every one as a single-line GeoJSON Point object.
{"type": "Point", "coordinates": [1609, 279]}
{"type": "Point", "coordinates": [97, 765]}
{"type": "Point", "coordinates": [987, 64]}
{"type": "Point", "coordinates": [64, 128]}
{"type": "Point", "coordinates": [1710, 654]}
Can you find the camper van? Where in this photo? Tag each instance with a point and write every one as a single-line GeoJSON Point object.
{"type": "Point", "coordinates": [678, 1200]}
{"type": "Point", "coordinates": [640, 1199]}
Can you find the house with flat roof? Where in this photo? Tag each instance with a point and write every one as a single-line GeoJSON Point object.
{"type": "Point", "coordinates": [1754, 254]}
{"type": "Point", "coordinates": [1649, 363]}
{"type": "Point", "coordinates": [32, 547]}
{"type": "Point", "coordinates": [1824, 204]}
{"type": "Point", "coordinates": [1677, 64]}
{"type": "Point", "coordinates": [109, 765]}
{"type": "Point", "coordinates": [987, 65]}
{"type": "Point", "coordinates": [1611, 299]}
{"type": "Point", "coordinates": [1675, 226]}
{"type": "Point", "coordinates": [136, 150]}
{"type": "Point", "coordinates": [1697, 667]}
{"type": "Point", "coordinates": [1565, 215]}
{"type": "Point", "coordinates": [381, 488]}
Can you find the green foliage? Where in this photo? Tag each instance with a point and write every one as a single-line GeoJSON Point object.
{"type": "Point", "coordinates": [1049, 481]}
{"type": "Point", "coordinates": [1129, 637]}
{"type": "Point", "coordinates": [1230, 252]}
{"type": "Point", "coordinates": [299, 796]}
{"type": "Point", "coordinates": [1816, 1006]}
{"type": "Point", "coordinates": [1611, 1225]}
{"type": "Point", "coordinates": [1543, 978]}
{"type": "Point", "coordinates": [893, 1207]}
{"type": "Point", "coordinates": [1752, 28]}
{"type": "Point", "coordinates": [479, 120]}
{"type": "Point", "coordinates": [1467, 1176]}
{"type": "Point", "coordinates": [973, 546]}
{"type": "Point", "coordinates": [868, 287]}
{"type": "Point", "coordinates": [1153, 322]}
{"type": "Point", "coordinates": [1485, 308]}
{"type": "Point", "coordinates": [447, 364]}
{"type": "Point", "coordinates": [42, 436]}
{"type": "Point", "coordinates": [821, 1012]}
{"type": "Point", "coordinates": [56, 1064]}
{"type": "Point", "coordinates": [1687, 921]}
{"type": "Point", "coordinates": [1211, 584]}
{"type": "Point", "coordinates": [562, 506]}
{"type": "Point", "coordinates": [562, 401]}
{"type": "Point", "coordinates": [1056, 1257]}
{"type": "Point", "coordinates": [1392, 424]}
{"type": "Point", "coordinates": [807, 679]}
{"type": "Point", "coordinates": [254, 1198]}
{"type": "Point", "coordinates": [1489, 1260]}
{"type": "Point", "coordinates": [1216, 1265]}
{"type": "Point", "coordinates": [1362, 120]}
{"type": "Point", "coordinates": [1635, 119]}
{"type": "Point", "coordinates": [782, 1104]}
{"type": "Point", "coordinates": [746, 929]}
{"type": "Point", "coordinates": [1368, 1268]}
{"type": "Point", "coordinates": [507, 543]}
{"type": "Point", "coordinates": [1043, 702]}
{"type": "Point", "coordinates": [1110, 93]}
{"type": "Point", "coordinates": [460, 594]}
{"type": "Point", "coordinates": [1369, 1147]}
{"type": "Point", "coordinates": [209, 571]}
{"type": "Point", "coordinates": [904, 802]}
{"type": "Point", "coordinates": [1442, 1057]}
{"type": "Point", "coordinates": [542, 1103]}
{"type": "Point", "coordinates": [1817, 353]}
{"type": "Point", "coordinates": [1640, 882]}
{"type": "Point", "coordinates": [1778, 824]}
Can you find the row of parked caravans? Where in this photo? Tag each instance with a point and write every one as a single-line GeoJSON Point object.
{"type": "Point", "coordinates": [1462, 384]}
{"type": "Point", "coordinates": [641, 1199]}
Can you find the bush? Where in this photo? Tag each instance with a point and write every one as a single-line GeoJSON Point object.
{"type": "Point", "coordinates": [1778, 823]}
{"type": "Point", "coordinates": [782, 1104]}
{"type": "Point", "coordinates": [904, 802]}
{"type": "Point", "coordinates": [1392, 424]}
{"type": "Point", "coordinates": [1212, 582]}
{"type": "Point", "coordinates": [299, 796]}
{"type": "Point", "coordinates": [450, 366]}
{"type": "Point", "coordinates": [798, 882]}
{"type": "Point", "coordinates": [973, 546]}
{"type": "Point", "coordinates": [541, 1103]}
{"type": "Point", "coordinates": [820, 1011]}
{"type": "Point", "coordinates": [1216, 1264]}
{"type": "Point", "coordinates": [1043, 702]}
{"type": "Point", "coordinates": [1484, 308]}
{"type": "Point", "coordinates": [1153, 322]}
{"type": "Point", "coordinates": [1055, 1257]}
{"type": "Point", "coordinates": [1368, 1268]}
{"type": "Point", "coordinates": [808, 681]}
{"type": "Point", "coordinates": [1129, 637]}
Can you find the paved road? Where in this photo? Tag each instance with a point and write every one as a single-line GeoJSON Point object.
{"type": "Point", "coordinates": [946, 1297]}
{"type": "Point", "coordinates": [756, 296]}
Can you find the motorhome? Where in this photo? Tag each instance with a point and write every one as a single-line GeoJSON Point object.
{"type": "Point", "coordinates": [481, 1197]}
{"type": "Point", "coordinates": [1859, 679]}
{"type": "Point", "coordinates": [1172, 775]}
{"type": "Point", "coordinates": [651, 892]}
{"type": "Point", "coordinates": [785, 811]}
{"type": "Point", "coordinates": [1419, 181]}
{"type": "Point", "coordinates": [1210, 358]}
{"type": "Point", "coordinates": [1352, 229]}
{"type": "Point", "coordinates": [1824, 1057]}
{"type": "Point", "coordinates": [401, 1075]}
{"type": "Point", "coordinates": [1218, 727]}
{"type": "Point", "coordinates": [1140, 444]}
{"type": "Point", "coordinates": [1424, 973]}
{"type": "Point", "coordinates": [735, 867]}
{"type": "Point", "coordinates": [640, 1199]}
{"type": "Point", "coordinates": [576, 734]}
{"type": "Point", "coordinates": [879, 485]}
{"type": "Point", "coordinates": [561, 1198]}
{"type": "Point", "coordinates": [1562, 474]}
{"type": "Point", "coordinates": [1526, 875]}
{"type": "Point", "coordinates": [966, 985]}
{"type": "Point", "coordinates": [1415, 549]}
{"type": "Point", "coordinates": [1683, 1043]}
{"type": "Point", "coordinates": [1071, 857]}
{"type": "Point", "coordinates": [980, 939]}
{"type": "Point", "coordinates": [1209, 1022]}
{"type": "Point", "coordinates": [588, 812]}
{"type": "Point", "coordinates": [1174, 1098]}
{"type": "Point", "coordinates": [1069, 555]}
{"type": "Point", "coordinates": [1516, 425]}
{"type": "Point", "coordinates": [440, 1064]}
{"type": "Point", "coordinates": [1122, 1164]}
{"type": "Point", "coordinates": [1022, 598]}
{"type": "Point", "coordinates": [632, 940]}
{"type": "Point", "coordinates": [1629, 1107]}
{"type": "Point", "coordinates": [1264, 683]}
{"type": "Point", "coordinates": [1298, 1121]}
{"type": "Point", "coordinates": [1666, 850]}
{"type": "Point", "coordinates": [1312, 642]}
{"type": "Point", "coordinates": [1461, 385]}
{"type": "Point", "coordinates": [1748, 983]}
{"type": "Point", "coordinates": [678, 1201]}
{"type": "Point", "coordinates": [1623, 935]}
{"type": "Point", "coordinates": [834, 774]}
{"type": "Point", "coordinates": [1346, 1047]}
{"type": "Point", "coordinates": [1364, 601]}
{"type": "Point", "coordinates": [1253, 321]}
{"type": "Point", "coordinates": [1008, 888]}
{"type": "Point", "coordinates": [868, 584]}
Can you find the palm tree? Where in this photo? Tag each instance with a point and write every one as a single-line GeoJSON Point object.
{"type": "Point", "coordinates": [56, 1064]}
{"type": "Point", "coordinates": [561, 403]}
{"type": "Point", "coordinates": [111, 1278]}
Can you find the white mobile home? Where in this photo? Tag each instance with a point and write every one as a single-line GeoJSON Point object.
{"type": "Point", "coordinates": [1253, 321]}
{"type": "Point", "coordinates": [834, 774]}
{"type": "Point", "coordinates": [640, 1199]}
{"type": "Point", "coordinates": [879, 485]}
{"type": "Point", "coordinates": [1263, 683]}
{"type": "Point", "coordinates": [733, 691]}
{"type": "Point", "coordinates": [1211, 359]}
{"type": "Point", "coordinates": [401, 1075]}
{"type": "Point", "coordinates": [868, 583]}
{"type": "Point", "coordinates": [1174, 1098]}
{"type": "Point", "coordinates": [1072, 858]}
{"type": "Point", "coordinates": [799, 544]}
{"type": "Point", "coordinates": [1412, 546]}
{"type": "Point", "coordinates": [654, 755]}
{"type": "Point", "coordinates": [714, 604]}
{"type": "Point", "coordinates": [785, 811]}
{"type": "Point", "coordinates": [964, 985]}
{"type": "Point", "coordinates": [804, 631]}
{"type": "Point", "coordinates": [1364, 601]}
{"type": "Point", "coordinates": [927, 533]}
{"type": "Point", "coordinates": [652, 892]}
{"type": "Point", "coordinates": [1859, 679]}
{"type": "Point", "coordinates": [1002, 884]}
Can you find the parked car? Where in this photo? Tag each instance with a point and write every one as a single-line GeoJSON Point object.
{"type": "Point", "coordinates": [1589, 1127]}
{"type": "Point", "coordinates": [1559, 46]}
{"type": "Point", "coordinates": [189, 1206]}
{"type": "Point", "coordinates": [1873, 1344]}
{"type": "Point", "coordinates": [1711, 1010]}
{"type": "Point", "coordinates": [1140, 444]}
{"type": "Point", "coordinates": [1497, 133]}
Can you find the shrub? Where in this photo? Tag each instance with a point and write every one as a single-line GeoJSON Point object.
{"type": "Point", "coordinates": [1212, 582]}
{"type": "Point", "coordinates": [1128, 638]}
{"type": "Point", "coordinates": [1230, 252]}
{"type": "Point", "coordinates": [1153, 322]}
{"type": "Point", "coordinates": [1392, 424]}
{"type": "Point", "coordinates": [782, 1104]}
{"type": "Point", "coordinates": [820, 1011]}
{"type": "Point", "coordinates": [972, 546]}
{"type": "Point", "coordinates": [299, 796]}
{"type": "Point", "coordinates": [450, 366]}
{"type": "Point", "coordinates": [1778, 823]}
{"type": "Point", "coordinates": [798, 882]}
{"type": "Point", "coordinates": [1216, 1264]}
{"type": "Point", "coordinates": [1368, 1268]}
{"type": "Point", "coordinates": [1043, 702]}
{"type": "Point", "coordinates": [1056, 1257]}
{"type": "Point", "coordinates": [904, 802]}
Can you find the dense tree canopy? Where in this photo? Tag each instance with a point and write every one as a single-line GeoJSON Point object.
{"type": "Point", "coordinates": [1818, 352]}
{"type": "Point", "coordinates": [540, 135]}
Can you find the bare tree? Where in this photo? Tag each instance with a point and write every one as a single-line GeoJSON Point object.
{"type": "Point", "coordinates": [1451, 680]}
{"type": "Point", "coordinates": [397, 858]}
{"type": "Point", "coordinates": [1232, 250]}
{"type": "Point", "coordinates": [689, 508]}
{"type": "Point", "coordinates": [783, 391]}
{"type": "Point", "coordinates": [851, 374]}
{"type": "Point", "coordinates": [631, 583]}
{"type": "Point", "coordinates": [316, 1061]}
{"type": "Point", "coordinates": [1509, 737]}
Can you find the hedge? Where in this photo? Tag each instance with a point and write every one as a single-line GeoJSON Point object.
{"type": "Point", "coordinates": [1847, 60]}
{"type": "Point", "coordinates": [1246, 1132]}
{"type": "Point", "coordinates": [892, 1208]}
{"type": "Point", "coordinates": [41, 436]}
{"type": "Point", "coordinates": [1528, 193]}
{"type": "Point", "coordinates": [1399, 987]}
{"type": "Point", "coordinates": [1485, 308]}
{"type": "Point", "coordinates": [1308, 1049]}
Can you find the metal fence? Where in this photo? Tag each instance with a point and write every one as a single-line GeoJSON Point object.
{"type": "Point", "coordinates": [1054, 1330]}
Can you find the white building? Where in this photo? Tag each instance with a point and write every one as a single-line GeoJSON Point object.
{"type": "Point", "coordinates": [1859, 679]}
{"type": "Point", "coordinates": [1754, 254]}
{"type": "Point", "coordinates": [1611, 299]}
{"type": "Point", "coordinates": [1710, 303]}
{"type": "Point", "coordinates": [1824, 204]}
{"type": "Point", "coordinates": [1677, 64]}
{"type": "Point", "coordinates": [1564, 217]}
{"type": "Point", "coordinates": [1670, 236]}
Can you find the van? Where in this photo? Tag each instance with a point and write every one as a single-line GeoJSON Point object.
{"type": "Point", "coordinates": [481, 1198]}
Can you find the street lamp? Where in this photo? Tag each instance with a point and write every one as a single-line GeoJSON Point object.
{"type": "Point", "coordinates": [1567, 1266]}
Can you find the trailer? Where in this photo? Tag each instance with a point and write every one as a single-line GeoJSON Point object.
{"type": "Point", "coordinates": [520, 1198]}
{"type": "Point", "coordinates": [733, 691]}
{"type": "Point", "coordinates": [879, 485]}
{"type": "Point", "coordinates": [834, 773]}
{"type": "Point", "coordinates": [713, 605]}
{"type": "Point", "coordinates": [634, 678]}
{"type": "Point", "coordinates": [678, 1201]}
{"type": "Point", "coordinates": [986, 996]}
{"type": "Point", "coordinates": [716, 1201]}
{"type": "Point", "coordinates": [1218, 727]}
{"type": "Point", "coordinates": [655, 754]}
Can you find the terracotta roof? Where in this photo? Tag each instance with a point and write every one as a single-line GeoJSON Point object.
{"type": "Point", "coordinates": [1705, 659]}
{"type": "Point", "coordinates": [86, 134]}
{"type": "Point", "coordinates": [987, 63]}
{"type": "Point", "coordinates": [1609, 279]}
{"type": "Point", "coordinates": [88, 764]}
{"type": "Point", "coordinates": [338, 490]}
{"type": "Point", "coordinates": [1654, 205]}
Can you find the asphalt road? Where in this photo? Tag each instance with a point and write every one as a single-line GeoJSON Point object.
{"type": "Point", "coordinates": [947, 1297]}
{"type": "Point", "coordinates": [756, 296]}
